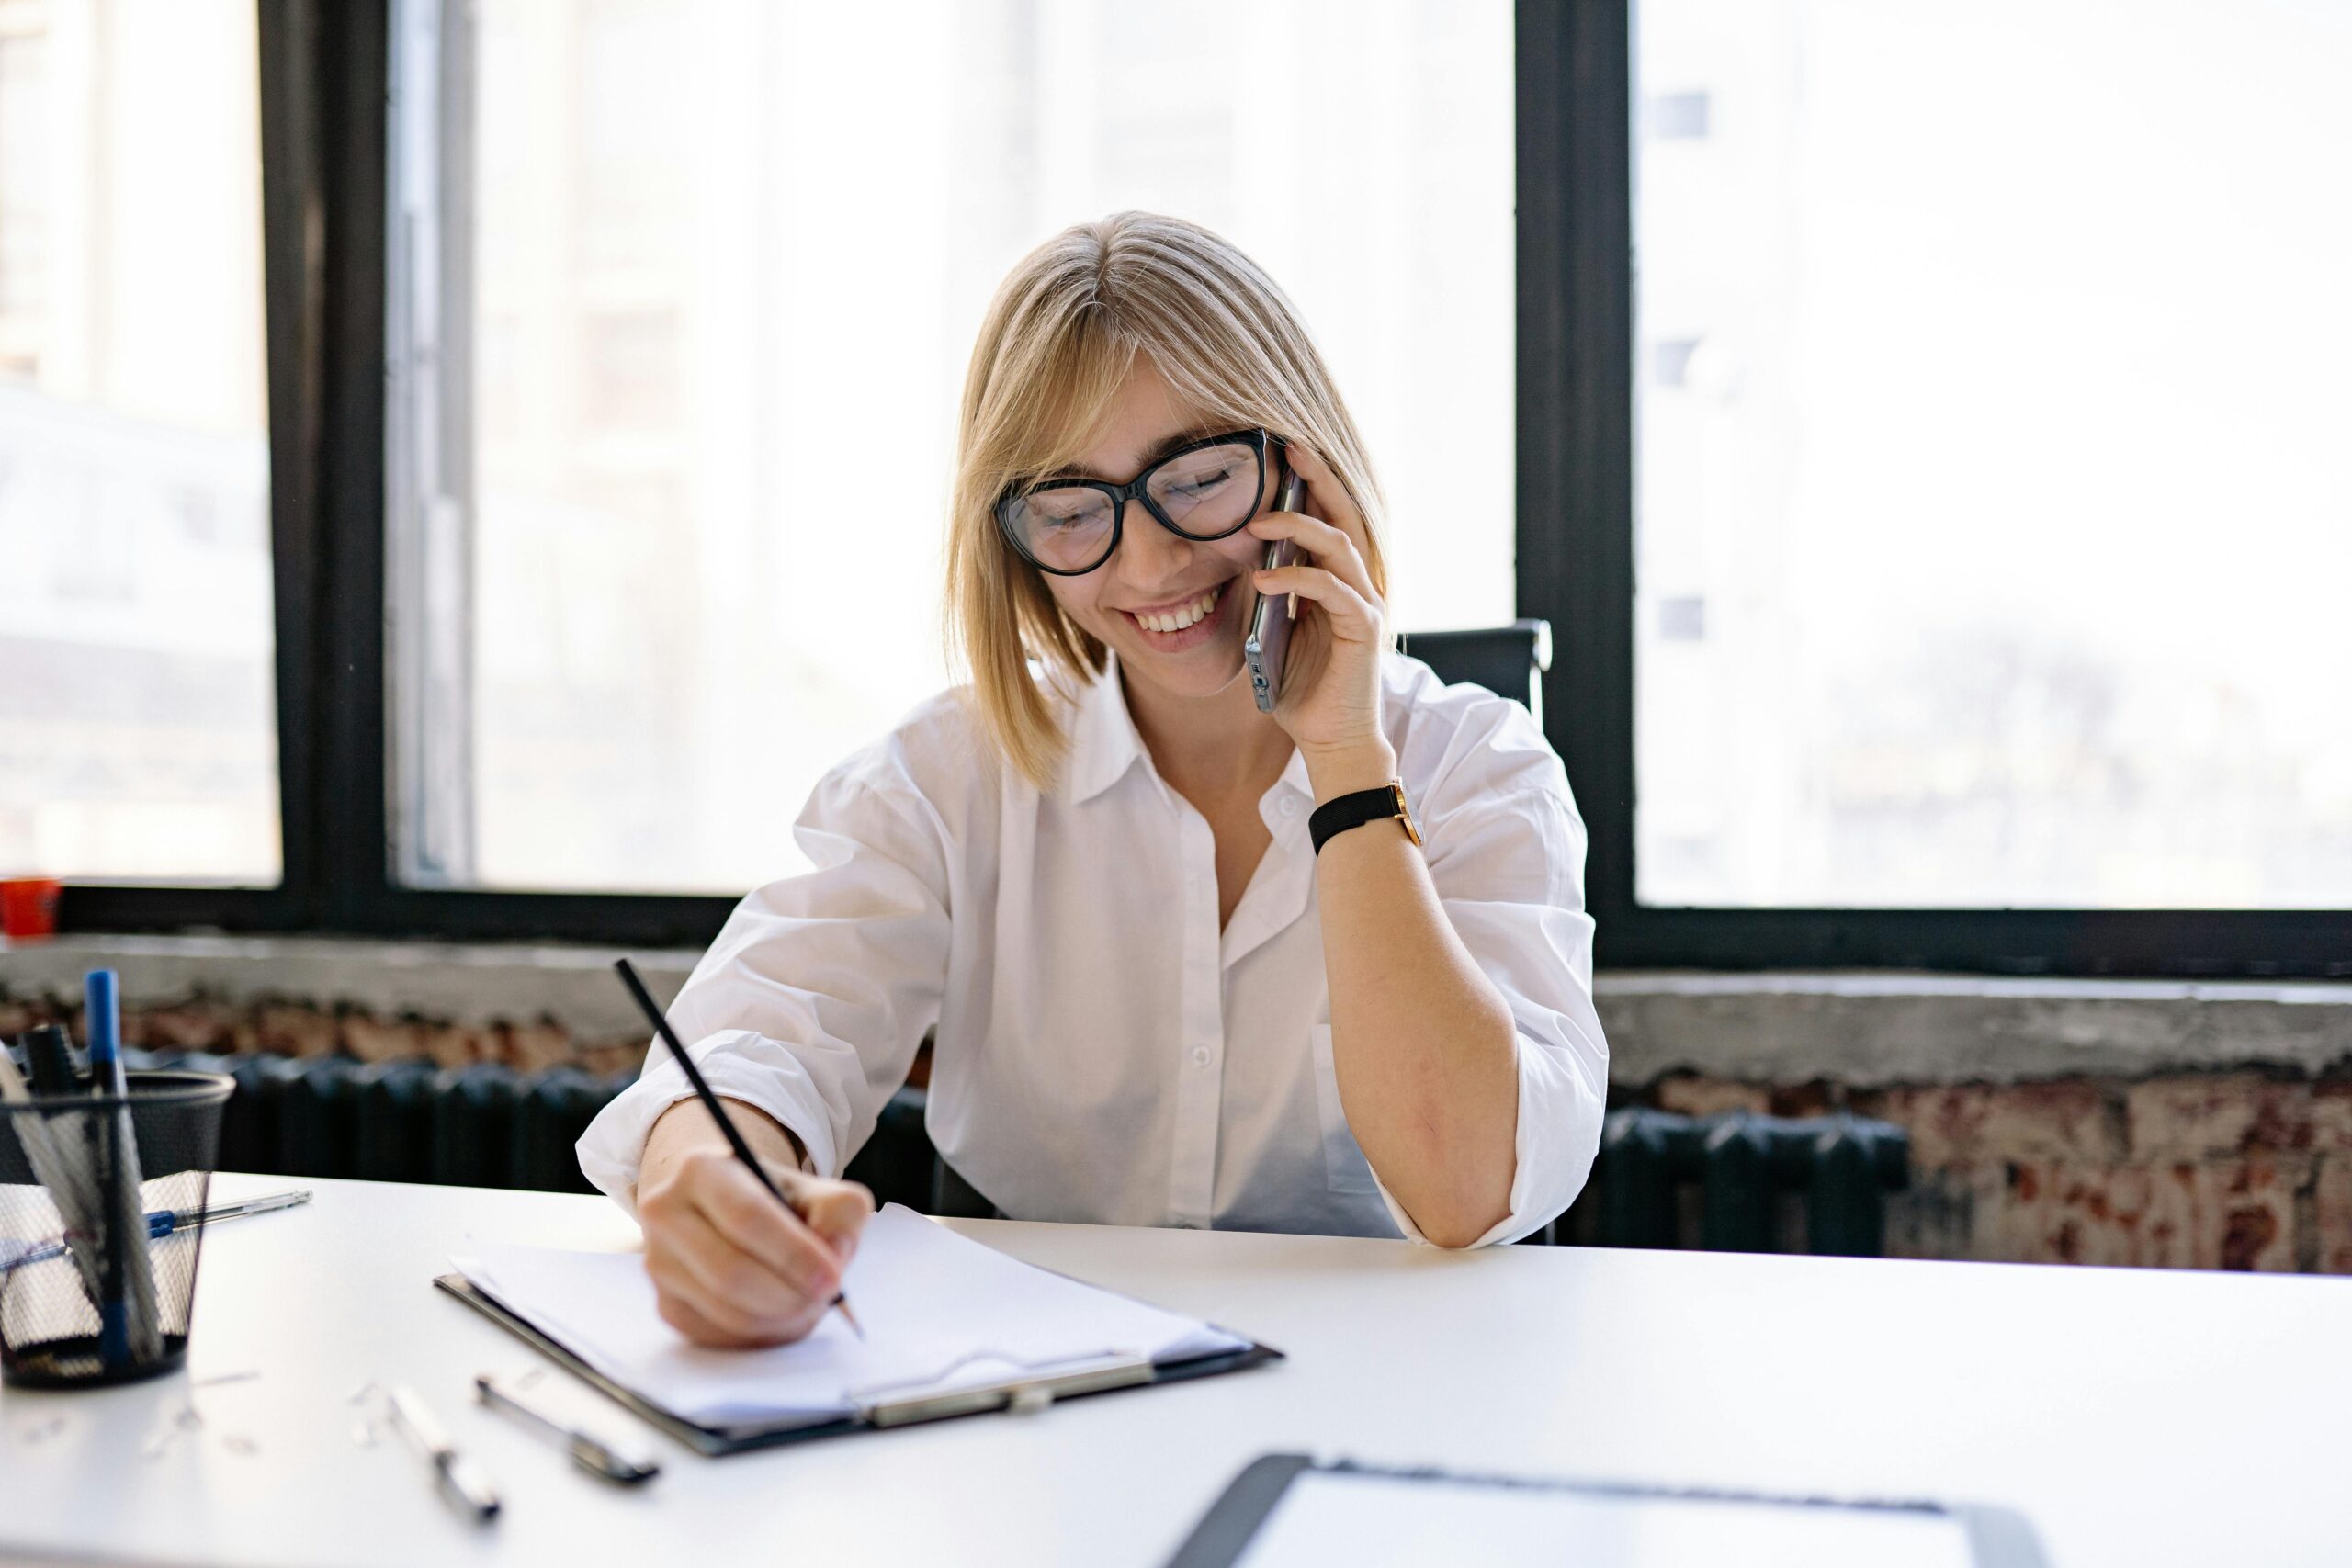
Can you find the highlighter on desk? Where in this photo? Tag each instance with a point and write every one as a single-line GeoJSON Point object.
{"type": "Point", "coordinates": [461, 1482]}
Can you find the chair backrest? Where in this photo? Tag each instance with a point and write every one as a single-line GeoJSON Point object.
{"type": "Point", "coordinates": [1508, 660]}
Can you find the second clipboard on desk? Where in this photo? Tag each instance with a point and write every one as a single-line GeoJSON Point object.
{"type": "Point", "coordinates": [1286, 1509]}
{"type": "Point", "coordinates": [955, 1329]}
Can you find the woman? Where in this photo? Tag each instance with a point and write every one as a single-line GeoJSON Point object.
{"type": "Point", "coordinates": [1092, 871]}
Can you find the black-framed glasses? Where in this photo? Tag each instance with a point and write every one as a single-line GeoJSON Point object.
{"type": "Point", "coordinates": [1200, 492]}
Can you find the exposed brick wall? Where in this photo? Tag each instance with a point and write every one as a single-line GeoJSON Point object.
{"type": "Point", "coordinates": [291, 1028]}
{"type": "Point", "coordinates": [2200, 1170]}
{"type": "Point", "coordinates": [2232, 1168]}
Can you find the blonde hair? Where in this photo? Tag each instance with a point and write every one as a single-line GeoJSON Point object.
{"type": "Point", "coordinates": [1059, 338]}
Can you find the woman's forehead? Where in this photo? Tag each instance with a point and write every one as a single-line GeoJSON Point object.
{"type": "Point", "coordinates": [1145, 419]}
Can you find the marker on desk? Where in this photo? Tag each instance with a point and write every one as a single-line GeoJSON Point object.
{"type": "Point", "coordinates": [461, 1481]}
{"type": "Point", "coordinates": [717, 1111]}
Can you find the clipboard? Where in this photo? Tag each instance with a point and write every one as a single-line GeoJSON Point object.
{"type": "Point", "coordinates": [1998, 1537]}
{"type": "Point", "coordinates": [1033, 1391]}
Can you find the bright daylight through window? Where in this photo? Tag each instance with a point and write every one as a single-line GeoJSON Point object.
{"type": "Point", "coordinates": [1994, 493]}
{"type": "Point", "coordinates": [674, 549]}
{"type": "Point", "coordinates": [138, 721]}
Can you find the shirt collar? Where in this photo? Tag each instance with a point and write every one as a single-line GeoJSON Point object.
{"type": "Point", "coordinates": [1104, 742]}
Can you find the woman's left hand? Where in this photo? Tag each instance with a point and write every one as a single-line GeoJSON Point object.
{"type": "Point", "coordinates": [1330, 702]}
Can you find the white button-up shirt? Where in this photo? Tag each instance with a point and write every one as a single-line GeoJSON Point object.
{"type": "Point", "coordinates": [1104, 1052]}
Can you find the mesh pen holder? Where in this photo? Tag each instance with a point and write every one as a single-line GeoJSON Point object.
{"type": "Point", "coordinates": [90, 1293]}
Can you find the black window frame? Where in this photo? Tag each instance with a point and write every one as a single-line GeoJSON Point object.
{"type": "Point", "coordinates": [326, 91]}
{"type": "Point", "coordinates": [1577, 279]}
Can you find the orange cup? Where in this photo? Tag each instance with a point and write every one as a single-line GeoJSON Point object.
{"type": "Point", "coordinates": [28, 907]}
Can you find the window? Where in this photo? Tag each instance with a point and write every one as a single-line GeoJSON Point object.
{"type": "Point", "coordinates": [687, 310]}
{"type": "Point", "coordinates": [1993, 493]}
{"type": "Point", "coordinates": [137, 727]}
{"type": "Point", "coordinates": [1950, 517]}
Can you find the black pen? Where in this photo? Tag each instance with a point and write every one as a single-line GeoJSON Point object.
{"type": "Point", "coordinates": [717, 1111]}
{"type": "Point", "coordinates": [602, 1457]}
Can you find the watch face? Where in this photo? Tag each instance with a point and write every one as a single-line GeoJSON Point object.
{"type": "Point", "coordinates": [1404, 812]}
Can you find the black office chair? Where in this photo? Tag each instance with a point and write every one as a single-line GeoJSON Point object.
{"type": "Point", "coordinates": [956, 1199]}
{"type": "Point", "coordinates": [1508, 660]}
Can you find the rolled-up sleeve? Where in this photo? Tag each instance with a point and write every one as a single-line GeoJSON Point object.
{"type": "Point", "coordinates": [1505, 848]}
{"type": "Point", "coordinates": [818, 992]}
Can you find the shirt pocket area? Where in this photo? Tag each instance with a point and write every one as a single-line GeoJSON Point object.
{"type": "Point", "coordinates": [1344, 1166]}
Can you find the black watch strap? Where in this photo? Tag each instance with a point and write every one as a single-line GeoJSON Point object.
{"type": "Point", "coordinates": [1341, 812]}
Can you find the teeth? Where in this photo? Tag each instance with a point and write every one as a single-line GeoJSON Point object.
{"type": "Point", "coordinates": [1189, 615]}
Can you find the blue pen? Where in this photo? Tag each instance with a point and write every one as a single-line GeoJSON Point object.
{"type": "Point", "coordinates": [102, 1023]}
{"type": "Point", "coordinates": [162, 1223]}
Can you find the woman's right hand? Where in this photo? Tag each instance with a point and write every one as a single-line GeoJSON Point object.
{"type": "Point", "coordinates": [731, 1268]}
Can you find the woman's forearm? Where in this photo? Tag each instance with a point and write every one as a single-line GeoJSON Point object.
{"type": "Point", "coordinates": [687, 1126]}
{"type": "Point", "coordinates": [1423, 1043]}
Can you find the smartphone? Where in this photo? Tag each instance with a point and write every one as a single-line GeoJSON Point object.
{"type": "Point", "coordinates": [1269, 624]}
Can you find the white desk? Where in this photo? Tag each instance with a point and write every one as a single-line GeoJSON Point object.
{"type": "Point", "coordinates": [2137, 1417]}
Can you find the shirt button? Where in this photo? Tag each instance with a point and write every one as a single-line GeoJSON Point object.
{"type": "Point", "coordinates": [1290, 806]}
{"type": "Point", "coordinates": [1200, 1055]}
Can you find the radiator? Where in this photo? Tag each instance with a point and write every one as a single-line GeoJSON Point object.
{"type": "Point", "coordinates": [484, 1125]}
{"type": "Point", "coordinates": [1741, 1182]}
{"type": "Point", "coordinates": [1735, 1182]}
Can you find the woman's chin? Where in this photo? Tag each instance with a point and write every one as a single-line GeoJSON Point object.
{"type": "Point", "coordinates": [1202, 671]}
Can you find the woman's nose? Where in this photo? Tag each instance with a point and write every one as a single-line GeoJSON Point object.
{"type": "Point", "coordinates": [1149, 554]}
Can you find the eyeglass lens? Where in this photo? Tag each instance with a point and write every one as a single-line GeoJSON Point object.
{"type": "Point", "coordinates": [1202, 494]}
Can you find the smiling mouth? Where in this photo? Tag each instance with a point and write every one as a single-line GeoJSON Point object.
{"type": "Point", "coordinates": [1191, 613]}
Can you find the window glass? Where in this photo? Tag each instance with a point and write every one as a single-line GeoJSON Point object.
{"type": "Point", "coordinates": [727, 264]}
{"type": "Point", "coordinates": [138, 724]}
{"type": "Point", "coordinates": [1995, 499]}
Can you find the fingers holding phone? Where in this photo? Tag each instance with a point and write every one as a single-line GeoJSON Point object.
{"type": "Point", "coordinates": [1267, 648]}
{"type": "Point", "coordinates": [1316, 665]}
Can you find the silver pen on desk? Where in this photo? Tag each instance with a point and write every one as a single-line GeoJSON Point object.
{"type": "Point", "coordinates": [212, 1213]}
{"type": "Point", "coordinates": [460, 1479]}
{"type": "Point", "coordinates": [161, 1222]}
{"type": "Point", "coordinates": [599, 1456]}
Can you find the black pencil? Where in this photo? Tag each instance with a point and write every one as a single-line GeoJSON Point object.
{"type": "Point", "coordinates": [717, 1111]}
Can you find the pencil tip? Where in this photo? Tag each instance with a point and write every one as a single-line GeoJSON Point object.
{"type": "Point", "coordinates": [849, 1317]}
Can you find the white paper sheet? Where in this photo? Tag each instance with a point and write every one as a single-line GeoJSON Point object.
{"type": "Point", "coordinates": [1379, 1521]}
{"type": "Point", "coordinates": [940, 1312]}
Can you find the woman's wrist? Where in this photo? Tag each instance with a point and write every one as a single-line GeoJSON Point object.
{"type": "Point", "coordinates": [1335, 771]}
{"type": "Point", "coordinates": [687, 1126]}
